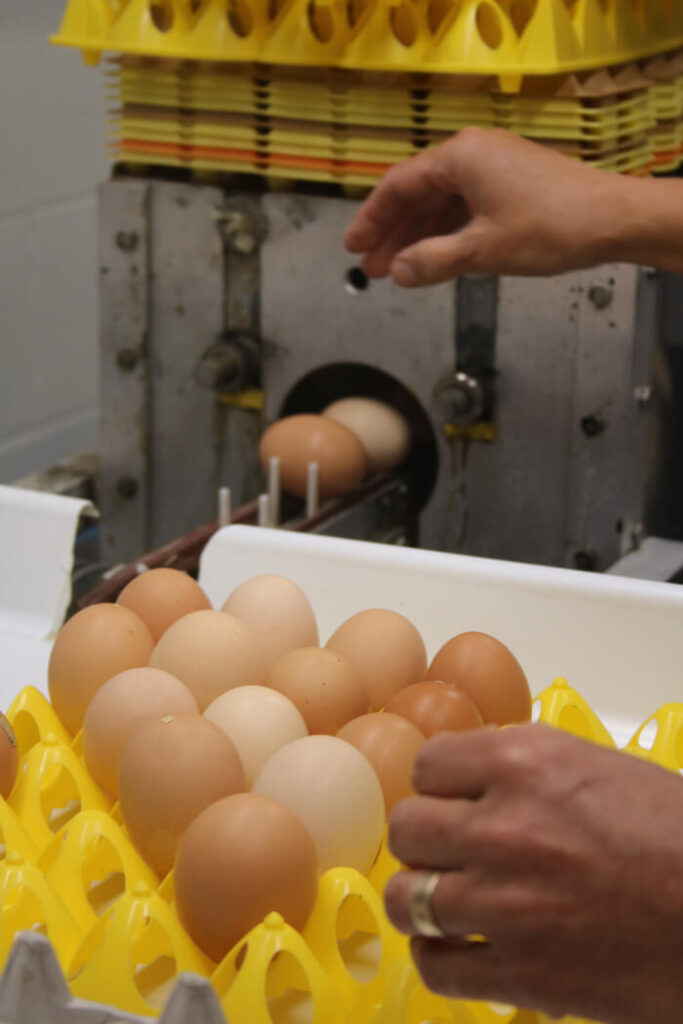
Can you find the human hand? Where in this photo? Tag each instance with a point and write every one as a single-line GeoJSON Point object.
{"type": "Point", "coordinates": [566, 856]}
{"type": "Point", "coordinates": [487, 202]}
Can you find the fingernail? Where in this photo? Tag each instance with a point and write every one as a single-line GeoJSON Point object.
{"type": "Point", "coordinates": [404, 274]}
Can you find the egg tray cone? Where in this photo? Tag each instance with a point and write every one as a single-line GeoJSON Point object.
{"type": "Point", "coordinates": [486, 37]}
{"type": "Point", "coordinates": [349, 127]}
{"type": "Point", "coordinates": [77, 902]}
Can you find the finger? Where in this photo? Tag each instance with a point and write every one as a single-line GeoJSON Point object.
{"type": "Point", "coordinates": [476, 970]}
{"type": "Point", "coordinates": [405, 186]}
{"type": "Point", "coordinates": [458, 764]}
{"type": "Point", "coordinates": [439, 215]}
{"type": "Point", "coordinates": [425, 831]}
{"type": "Point", "coordinates": [435, 260]}
{"type": "Point", "coordinates": [453, 905]}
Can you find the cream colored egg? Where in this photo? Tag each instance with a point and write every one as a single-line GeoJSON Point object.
{"type": "Point", "coordinates": [277, 611]}
{"type": "Point", "coordinates": [210, 652]}
{"type": "Point", "coordinates": [259, 721]}
{"type": "Point", "coordinates": [382, 431]}
{"type": "Point", "coordinates": [333, 789]}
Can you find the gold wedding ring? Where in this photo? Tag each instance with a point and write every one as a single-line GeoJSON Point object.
{"type": "Point", "coordinates": [420, 906]}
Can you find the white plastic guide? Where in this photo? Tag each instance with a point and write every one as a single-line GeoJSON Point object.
{"type": "Point", "coordinates": [37, 533]}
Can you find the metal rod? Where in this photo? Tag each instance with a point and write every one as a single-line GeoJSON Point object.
{"type": "Point", "coordinates": [224, 507]}
{"type": "Point", "coordinates": [263, 518]}
{"type": "Point", "coordinates": [312, 490]}
{"type": "Point", "coordinates": [274, 489]}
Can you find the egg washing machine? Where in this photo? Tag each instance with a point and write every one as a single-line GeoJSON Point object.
{"type": "Point", "coordinates": [529, 401]}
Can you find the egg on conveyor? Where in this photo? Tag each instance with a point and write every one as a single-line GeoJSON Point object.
{"type": "Point", "coordinates": [382, 431]}
{"type": "Point", "coordinates": [305, 438]}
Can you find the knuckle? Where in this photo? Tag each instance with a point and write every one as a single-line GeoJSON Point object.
{"type": "Point", "coordinates": [471, 136]}
{"type": "Point", "coordinates": [501, 834]}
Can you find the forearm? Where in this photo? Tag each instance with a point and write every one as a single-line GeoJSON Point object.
{"type": "Point", "coordinates": [646, 223]}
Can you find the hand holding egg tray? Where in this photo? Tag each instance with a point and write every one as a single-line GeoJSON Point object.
{"type": "Point", "coordinates": [435, 591]}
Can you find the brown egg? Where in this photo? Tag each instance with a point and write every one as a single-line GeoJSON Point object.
{"type": "Point", "coordinates": [299, 440]}
{"type": "Point", "coordinates": [241, 859]}
{"type": "Point", "coordinates": [9, 757]}
{"type": "Point", "coordinates": [277, 611]}
{"type": "Point", "coordinates": [322, 685]}
{"type": "Point", "coordinates": [385, 649]}
{"type": "Point", "coordinates": [96, 644]}
{"type": "Point", "coordinates": [436, 707]}
{"type": "Point", "coordinates": [390, 744]}
{"type": "Point", "coordinates": [162, 596]}
{"type": "Point", "coordinates": [210, 652]}
{"type": "Point", "coordinates": [121, 706]}
{"type": "Point", "coordinates": [486, 670]}
{"type": "Point", "coordinates": [170, 771]}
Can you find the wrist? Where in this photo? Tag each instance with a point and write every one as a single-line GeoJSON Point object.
{"type": "Point", "coordinates": [616, 219]}
{"type": "Point", "coordinates": [642, 223]}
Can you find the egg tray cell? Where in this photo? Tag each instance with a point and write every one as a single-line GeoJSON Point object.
{"type": "Point", "coordinates": [506, 39]}
{"type": "Point", "coordinates": [108, 925]}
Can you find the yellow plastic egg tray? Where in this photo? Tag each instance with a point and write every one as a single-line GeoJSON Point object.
{"type": "Point", "coordinates": [68, 870]}
{"type": "Point", "coordinates": [505, 38]}
{"type": "Point", "coordinates": [349, 127]}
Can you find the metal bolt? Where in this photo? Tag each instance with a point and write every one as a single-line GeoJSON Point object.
{"type": "Point", "coordinates": [237, 228]}
{"type": "Point", "coordinates": [127, 359]}
{"type": "Point", "coordinates": [593, 425]}
{"type": "Point", "coordinates": [600, 296]}
{"type": "Point", "coordinates": [126, 487]}
{"type": "Point", "coordinates": [643, 395]}
{"type": "Point", "coordinates": [127, 241]}
{"type": "Point", "coordinates": [587, 559]}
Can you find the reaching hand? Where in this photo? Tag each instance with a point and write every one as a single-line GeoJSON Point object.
{"type": "Point", "coordinates": [486, 202]}
{"type": "Point", "coordinates": [565, 856]}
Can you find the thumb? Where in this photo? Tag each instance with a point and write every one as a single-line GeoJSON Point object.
{"type": "Point", "coordinates": [440, 258]}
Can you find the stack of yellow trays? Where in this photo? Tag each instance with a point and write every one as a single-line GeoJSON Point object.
{"type": "Point", "coordinates": [339, 90]}
{"type": "Point", "coordinates": [350, 127]}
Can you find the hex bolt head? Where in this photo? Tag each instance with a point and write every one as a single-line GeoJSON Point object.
{"type": "Point", "coordinates": [600, 296]}
{"type": "Point", "coordinates": [127, 359]}
{"type": "Point", "coordinates": [593, 425]}
{"type": "Point", "coordinates": [642, 395]}
{"type": "Point", "coordinates": [126, 487]}
{"type": "Point", "coordinates": [127, 241]}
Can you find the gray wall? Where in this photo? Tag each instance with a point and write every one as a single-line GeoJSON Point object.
{"type": "Point", "coordinates": [52, 155]}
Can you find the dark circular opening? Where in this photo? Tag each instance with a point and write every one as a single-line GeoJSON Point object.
{"type": "Point", "coordinates": [318, 389]}
{"type": "Point", "coordinates": [356, 280]}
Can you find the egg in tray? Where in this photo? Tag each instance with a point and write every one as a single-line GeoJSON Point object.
{"type": "Point", "coordinates": [208, 792]}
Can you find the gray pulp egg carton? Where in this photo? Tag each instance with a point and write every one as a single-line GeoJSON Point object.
{"type": "Point", "coordinates": [33, 991]}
